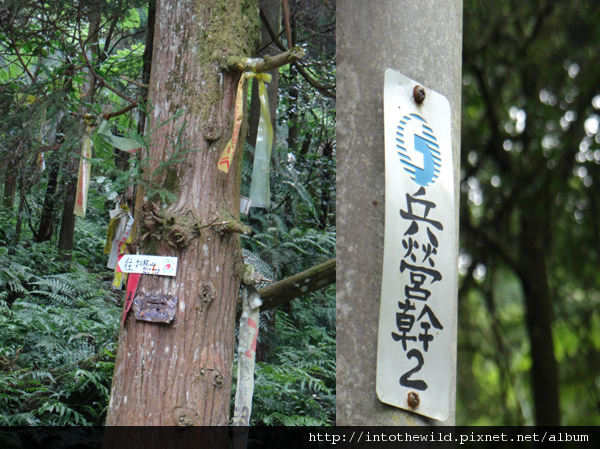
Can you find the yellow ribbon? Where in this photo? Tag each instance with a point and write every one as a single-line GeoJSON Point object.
{"type": "Point", "coordinates": [259, 189]}
{"type": "Point", "coordinates": [26, 99]}
{"type": "Point", "coordinates": [229, 151]}
{"type": "Point", "coordinates": [121, 277]}
{"type": "Point", "coordinates": [110, 235]}
{"type": "Point", "coordinates": [112, 227]}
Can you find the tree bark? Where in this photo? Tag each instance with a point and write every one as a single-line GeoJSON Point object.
{"type": "Point", "coordinates": [293, 116]}
{"type": "Point", "coordinates": [46, 227]}
{"type": "Point", "coordinates": [179, 374]}
{"type": "Point", "coordinates": [326, 192]}
{"type": "Point", "coordinates": [67, 224]}
{"type": "Point", "coordinates": [538, 314]}
{"type": "Point", "coordinates": [20, 211]}
{"type": "Point", "coordinates": [272, 10]}
{"type": "Point", "coordinates": [147, 60]}
{"type": "Point", "coordinates": [10, 188]}
{"type": "Point", "coordinates": [88, 90]}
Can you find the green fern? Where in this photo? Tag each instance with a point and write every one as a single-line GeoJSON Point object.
{"type": "Point", "coordinates": [56, 342]}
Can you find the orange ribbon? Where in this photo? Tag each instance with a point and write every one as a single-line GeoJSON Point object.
{"type": "Point", "coordinates": [227, 156]}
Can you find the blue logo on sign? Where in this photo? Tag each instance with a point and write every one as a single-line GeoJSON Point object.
{"type": "Point", "coordinates": [423, 160]}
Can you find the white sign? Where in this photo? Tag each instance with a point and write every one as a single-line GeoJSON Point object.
{"type": "Point", "coordinates": [244, 205]}
{"type": "Point", "coordinates": [131, 263]}
{"type": "Point", "coordinates": [419, 286]}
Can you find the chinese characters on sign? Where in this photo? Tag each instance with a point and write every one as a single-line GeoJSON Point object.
{"type": "Point", "coordinates": [414, 290]}
{"type": "Point", "coordinates": [418, 296]}
{"type": "Point", "coordinates": [164, 266]}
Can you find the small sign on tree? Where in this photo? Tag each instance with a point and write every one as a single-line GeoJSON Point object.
{"type": "Point", "coordinates": [132, 263]}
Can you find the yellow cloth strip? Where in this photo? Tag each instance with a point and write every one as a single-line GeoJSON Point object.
{"type": "Point", "coordinates": [121, 277]}
{"type": "Point", "coordinates": [112, 226]}
{"type": "Point", "coordinates": [26, 99]}
{"type": "Point", "coordinates": [227, 156]}
{"type": "Point", "coordinates": [110, 235]}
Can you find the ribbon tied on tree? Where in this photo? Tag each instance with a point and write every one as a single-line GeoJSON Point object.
{"type": "Point", "coordinates": [248, 337]}
{"type": "Point", "coordinates": [121, 143]}
{"type": "Point", "coordinates": [83, 178]}
{"type": "Point", "coordinates": [259, 189]}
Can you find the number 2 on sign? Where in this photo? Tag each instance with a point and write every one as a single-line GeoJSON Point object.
{"type": "Point", "coordinates": [405, 380]}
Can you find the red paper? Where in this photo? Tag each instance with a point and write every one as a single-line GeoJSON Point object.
{"type": "Point", "coordinates": [253, 325]}
{"type": "Point", "coordinates": [132, 284]}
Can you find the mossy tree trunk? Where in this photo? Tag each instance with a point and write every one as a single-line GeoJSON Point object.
{"type": "Point", "coordinates": [46, 226]}
{"type": "Point", "coordinates": [180, 373]}
{"type": "Point", "coordinates": [10, 188]}
{"type": "Point", "coordinates": [88, 90]}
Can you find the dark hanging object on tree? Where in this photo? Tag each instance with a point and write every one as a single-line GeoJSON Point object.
{"type": "Point", "coordinates": [155, 308]}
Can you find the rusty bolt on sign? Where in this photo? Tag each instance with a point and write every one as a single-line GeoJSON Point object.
{"type": "Point", "coordinates": [419, 94]}
{"type": "Point", "coordinates": [413, 399]}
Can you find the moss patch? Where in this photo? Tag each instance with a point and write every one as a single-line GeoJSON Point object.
{"type": "Point", "coordinates": [227, 28]}
{"type": "Point", "coordinates": [232, 28]}
{"type": "Point", "coordinates": [150, 247]}
{"type": "Point", "coordinates": [172, 183]}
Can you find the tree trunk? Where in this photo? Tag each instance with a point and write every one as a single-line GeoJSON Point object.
{"type": "Point", "coordinates": [293, 116]}
{"type": "Point", "coordinates": [67, 227]}
{"type": "Point", "coordinates": [67, 224]}
{"type": "Point", "coordinates": [10, 188]}
{"type": "Point", "coordinates": [326, 192]}
{"type": "Point", "coordinates": [20, 212]}
{"type": "Point", "coordinates": [132, 191]}
{"type": "Point", "coordinates": [46, 227]}
{"type": "Point", "coordinates": [534, 278]}
{"type": "Point", "coordinates": [180, 373]}
{"type": "Point", "coordinates": [422, 40]}
{"type": "Point", "coordinates": [272, 10]}
{"type": "Point", "coordinates": [147, 60]}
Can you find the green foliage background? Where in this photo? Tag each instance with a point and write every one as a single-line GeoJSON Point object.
{"type": "Point", "coordinates": [530, 190]}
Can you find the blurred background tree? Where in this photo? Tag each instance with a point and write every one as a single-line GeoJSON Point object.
{"type": "Point", "coordinates": [529, 321]}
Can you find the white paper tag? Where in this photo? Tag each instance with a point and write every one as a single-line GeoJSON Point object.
{"type": "Point", "coordinates": [418, 293]}
{"type": "Point", "coordinates": [160, 265]}
{"type": "Point", "coordinates": [244, 205]}
{"type": "Point", "coordinates": [123, 226]}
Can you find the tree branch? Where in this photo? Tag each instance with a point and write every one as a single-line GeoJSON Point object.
{"type": "Point", "coordinates": [494, 243]}
{"type": "Point", "coordinates": [323, 89]}
{"type": "Point", "coordinates": [310, 80]}
{"type": "Point", "coordinates": [269, 28]}
{"type": "Point", "coordinates": [138, 84]}
{"type": "Point", "coordinates": [495, 142]}
{"type": "Point", "coordinates": [308, 281]}
{"type": "Point", "coordinates": [125, 37]}
{"type": "Point", "coordinates": [258, 65]}
{"type": "Point", "coordinates": [121, 112]}
{"type": "Point", "coordinates": [14, 45]}
{"type": "Point", "coordinates": [99, 78]}
{"type": "Point", "coordinates": [288, 28]}
{"type": "Point", "coordinates": [108, 38]}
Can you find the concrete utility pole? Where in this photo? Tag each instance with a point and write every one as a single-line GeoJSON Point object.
{"type": "Point", "coordinates": [423, 41]}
